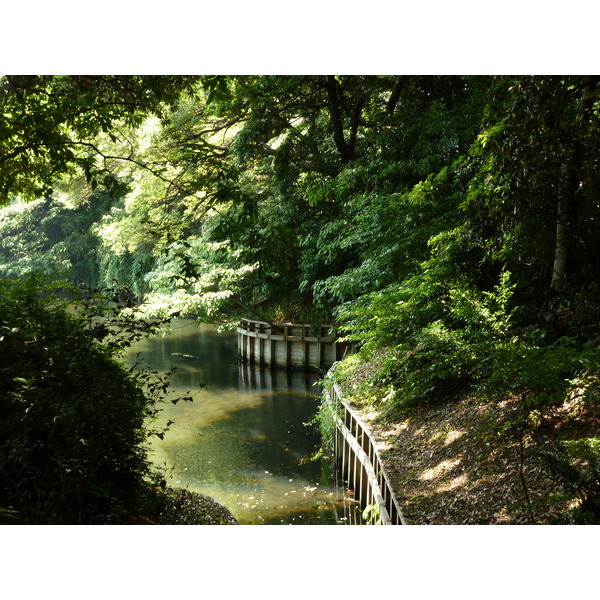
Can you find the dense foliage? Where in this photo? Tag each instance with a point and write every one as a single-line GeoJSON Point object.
{"type": "Point", "coordinates": [450, 225]}
{"type": "Point", "coordinates": [74, 421]}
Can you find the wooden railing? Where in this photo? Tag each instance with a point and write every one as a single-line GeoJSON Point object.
{"type": "Point", "coordinates": [288, 345]}
{"type": "Point", "coordinates": [359, 462]}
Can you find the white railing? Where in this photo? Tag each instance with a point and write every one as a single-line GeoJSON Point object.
{"type": "Point", "coordinates": [289, 346]}
{"type": "Point", "coordinates": [359, 461]}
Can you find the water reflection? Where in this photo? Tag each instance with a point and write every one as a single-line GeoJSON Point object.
{"type": "Point", "coordinates": [243, 440]}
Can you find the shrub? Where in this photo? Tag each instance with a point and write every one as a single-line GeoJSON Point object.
{"type": "Point", "coordinates": [73, 420]}
{"type": "Point", "coordinates": [575, 466]}
{"type": "Point", "coordinates": [428, 338]}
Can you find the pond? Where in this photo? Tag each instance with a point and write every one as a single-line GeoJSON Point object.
{"type": "Point", "coordinates": [244, 439]}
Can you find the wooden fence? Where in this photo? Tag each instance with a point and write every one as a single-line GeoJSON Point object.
{"type": "Point", "coordinates": [289, 346]}
{"type": "Point", "coordinates": [359, 462]}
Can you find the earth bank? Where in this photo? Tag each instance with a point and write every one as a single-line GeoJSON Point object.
{"type": "Point", "coordinates": [462, 461]}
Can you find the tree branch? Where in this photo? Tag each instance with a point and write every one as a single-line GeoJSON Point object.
{"type": "Point", "coordinates": [398, 86]}
{"type": "Point", "coordinates": [331, 87]}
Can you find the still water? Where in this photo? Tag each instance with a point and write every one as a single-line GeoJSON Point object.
{"type": "Point", "coordinates": [244, 439]}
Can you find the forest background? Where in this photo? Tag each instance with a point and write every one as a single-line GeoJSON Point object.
{"type": "Point", "coordinates": [450, 225]}
{"type": "Point", "coordinates": [454, 229]}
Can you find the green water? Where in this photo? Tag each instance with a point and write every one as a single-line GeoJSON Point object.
{"type": "Point", "coordinates": [243, 440]}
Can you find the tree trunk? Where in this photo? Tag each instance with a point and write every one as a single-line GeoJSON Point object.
{"type": "Point", "coordinates": [398, 85]}
{"type": "Point", "coordinates": [345, 150]}
{"type": "Point", "coordinates": [568, 185]}
{"type": "Point", "coordinates": [561, 246]}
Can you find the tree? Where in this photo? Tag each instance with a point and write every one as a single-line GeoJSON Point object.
{"type": "Point", "coordinates": [53, 235]}
{"type": "Point", "coordinates": [269, 161]}
{"type": "Point", "coordinates": [569, 184]}
{"type": "Point", "coordinates": [532, 197]}
{"type": "Point", "coordinates": [48, 124]}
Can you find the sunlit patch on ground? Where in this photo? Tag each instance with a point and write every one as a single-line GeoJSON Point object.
{"type": "Point", "coordinates": [440, 469]}
{"type": "Point", "coordinates": [453, 484]}
{"type": "Point", "coordinates": [452, 436]}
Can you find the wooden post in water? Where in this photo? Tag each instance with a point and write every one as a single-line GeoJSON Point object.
{"type": "Point", "coordinates": [288, 346]}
